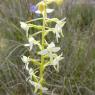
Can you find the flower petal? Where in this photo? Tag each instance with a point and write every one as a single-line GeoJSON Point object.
{"type": "Point", "coordinates": [51, 45]}
{"type": "Point", "coordinates": [26, 45]}
{"type": "Point", "coordinates": [49, 10]}
{"type": "Point", "coordinates": [24, 26]}
{"type": "Point", "coordinates": [24, 59]}
{"type": "Point", "coordinates": [43, 52]}
{"type": "Point", "coordinates": [55, 49]}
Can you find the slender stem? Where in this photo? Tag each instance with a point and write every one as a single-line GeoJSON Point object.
{"type": "Point", "coordinates": [43, 41]}
{"type": "Point", "coordinates": [42, 57]}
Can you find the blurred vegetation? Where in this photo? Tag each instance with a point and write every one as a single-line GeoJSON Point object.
{"type": "Point", "coordinates": [77, 70]}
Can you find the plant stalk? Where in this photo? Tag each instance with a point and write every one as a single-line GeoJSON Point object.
{"type": "Point", "coordinates": [43, 41]}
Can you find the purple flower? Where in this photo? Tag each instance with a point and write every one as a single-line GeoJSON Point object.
{"type": "Point", "coordinates": [32, 8]}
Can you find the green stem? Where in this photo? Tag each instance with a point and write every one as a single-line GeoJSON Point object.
{"type": "Point", "coordinates": [42, 57]}
{"type": "Point", "coordinates": [43, 41]}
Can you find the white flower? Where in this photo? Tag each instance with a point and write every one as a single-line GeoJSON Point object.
{"type": "Point", "coordinates": [58, 28]}
{"type": "Point", "coordinates": [26, 61]}
{"type": "Point", "coordinates": [56, 61]}
{"type": "Point", "coordinates": [30, 70]}
{"type": "Point", "coordinates": [47, 11]}
{"type": "Point", "coordinates": [50, 49]}
{"type": "Point", "coordinates": [54, 58]}
{"type": "Point", "coordinates": [25, 27]}
{"type": "Point", "coordinates": [32, 41]}
{"type": "Point", "coordinates": [38, 86]}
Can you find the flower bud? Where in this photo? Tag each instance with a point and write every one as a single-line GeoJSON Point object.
{"type": "Point", "coordinates": [41, 6]}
